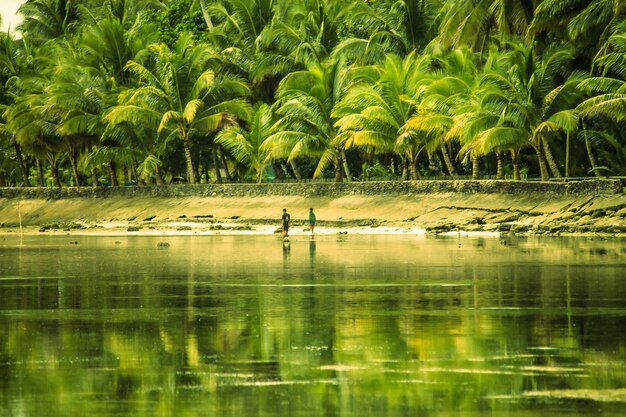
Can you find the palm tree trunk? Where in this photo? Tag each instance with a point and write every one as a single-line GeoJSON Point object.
{"type": "Point", "coordinates": [54, 169]}
{"type": "Point", "coordinates": [22, 165]}
{"type": "Point", "coordinates": [516, 170]}
{"type": "Point", "coordinates": [556, 173]}
{"type": "Point", "coordinates": [475, 168]}
{"type": "Point", "coordinates": [346, 168]}
{"type": "Point", "coordinates": [94, 178]}
{"type": "Point", "coordinates": [216, 165]}
{"type": "Point", "coordinates": [338, 169]}
{"type": "Point", "coordinates": [413, 170]}
{"type": "Point", "coordinates": [40, 180]}
{"type": "Point", "coordinates": [567, 150]}
{"type": "Point", "coordinates": [500, 159]}
{"type": "Point", "coordinates": [285, 171]}
{"type": "Point", "coordinates": [543, 165]}
{"type": "Point", "coordinates": [592, 159]}
{"type": "Point", "coordinates": [296, 169]}
{"type": "Point", "coordinates": [112, 169]}
{"type": "Point", "coordinates": [191, 175]}
{"type": "Point", "coordinates": [447, 160]}
{"type": "Point", "coordinates": [229, 176]}
{"type": "Point", "coordinates": [405, 170]}
{"type": "Point", "coordinates": [158, 178]}
{"type": "Point", "coordinates": [74, 163]}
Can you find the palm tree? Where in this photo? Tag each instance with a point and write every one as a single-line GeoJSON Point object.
{"type": "Point", "coordinates": [606, 107]}
{"type": "Point", "coordinates": [388, 26]}
{"type": "Point", "coordinates": [104, 50]}
{"type": "Point", "coordinates": [306, 100]}
{"type": "Point", "coordinates": [179, 97]}
{"type": "Point", "coordinates": [447, 89]}
{"type": "Point", "coordinates": [12, 65]}
{"type": "Point", "coordinates": [48, 19]}
{"type": "Point", "coordinates": [376, 111]}
{"type": "Point", "coordinates": [527, 96]}
{"type": "Point", "coordinates": [588, 24]}
{"type": "Point", "coordinates": [246, 144]}
{"type": "Point", "coordinates": [474, 22]}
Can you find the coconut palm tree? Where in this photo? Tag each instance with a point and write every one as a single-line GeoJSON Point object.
{"type": "Point", "coordinates": [448, 88]}
{"type": "Point", "coordinates": [306, 125]}
{"type": "Point", "coordinates": [528, 96]}
{"type": "Point", "coordinates": [604, 111]}
{"type": "Point", "coordinates": [474, 22]}
{"type": "Point", "coordinates": [180, 97]}
{"type": "Point", "coordinates": [376, 111]}
{"type": "Point", "coordinates": [245, 144]}
{"type": "Point", "coordinates": [388, 26]}
{"type": "Point", "coordinates": [49, 19]}
{"type": "Point", "coordinates": [588, 24]}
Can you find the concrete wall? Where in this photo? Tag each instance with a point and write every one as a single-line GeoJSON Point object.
{"type": "Point", "coordinates": [328, 189]}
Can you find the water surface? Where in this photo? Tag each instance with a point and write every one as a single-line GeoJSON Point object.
{"type": "Point", "coordinates": [340, 326]}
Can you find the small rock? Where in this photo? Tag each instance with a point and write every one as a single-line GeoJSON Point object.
{"type": "Point", "coordinates": [163, 245]}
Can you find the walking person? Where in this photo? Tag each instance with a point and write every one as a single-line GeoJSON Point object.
{"type": "Point", "coordinates": [285, 220]}
{"type": "Point", "coordinates": [312, 221]}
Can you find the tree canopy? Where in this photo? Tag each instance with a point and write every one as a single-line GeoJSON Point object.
{"type": "Point", "coordinates": [154, 92]}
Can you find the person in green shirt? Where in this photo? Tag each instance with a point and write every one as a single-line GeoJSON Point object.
{"type": "Point", "coordinates": [312, 220]}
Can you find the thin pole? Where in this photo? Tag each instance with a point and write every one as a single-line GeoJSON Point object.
{"type": "Point", "coordinates": [19, 214]}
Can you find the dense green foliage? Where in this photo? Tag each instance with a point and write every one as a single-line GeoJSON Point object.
{"type": "Point", "coordinates": [148, 91]}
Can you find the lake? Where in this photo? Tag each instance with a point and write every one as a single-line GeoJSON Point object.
{"type": "Point", "coordinates": [346, 325]}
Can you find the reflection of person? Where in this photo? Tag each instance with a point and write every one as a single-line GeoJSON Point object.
{"type": "Point", "coordinates": [312, 220]}
{"type": "Point", "coordinates": [286, 218]}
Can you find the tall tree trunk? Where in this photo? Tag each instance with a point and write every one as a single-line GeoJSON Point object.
{"type": "Point", "coordinates": [296, 169]}
{"type": "Point", "coordinates": [592, 159]}
{"type": "Point", "coordinates": [202, 172]}
{"type": "Point", "coordinates": [406, 174]}
{"type": "Point", "coordinates": [22, 165]}
{"type": "Point", "coordinates": [229, 176]}
{"type": "Point", "coordinates": [346, 168]}
{"type": "Point", "coordinates": [475, 168]}
{"type": "Point", "coordinates": [216, 165]}
{"type": "Point", "coordinates": [516, 170]}
{"type": "Point", "coordinates": [74, 163]}
{"type": "Point", "coordinates": [434, 164]}
{"type": "Point", "coordinates": [40, 178]}
{"type": "Point", "coordinates": [567, 150]}
{"type": "Point", "coordinates": [54, 168]}
{"type": "Point", "coordinates": [543, 165]}
{"type": "Point", "coordinates": [191, 174]}
{"type": "Point", "coordinates": [556, 173]}
{"type": "Point", "coordinates": [338, 169]}
{"type": "Point", "coordinates": [500, 172]}
{"type": "Point", "coordinates": [158, 178]}
{"type": "Point", "coordinates": [413, 170]}
{"type": "Point", "coordinates": [278, 171]}
{"type": "Point", "coordinates": [113, 173]}
{"type": "Point", "coordinates": [447, 160]}
{"type": "Point", "coordinates": [285, 170]}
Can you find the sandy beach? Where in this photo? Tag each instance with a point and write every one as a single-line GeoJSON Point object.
{"type": "Point", "coordinates": [356, 210]}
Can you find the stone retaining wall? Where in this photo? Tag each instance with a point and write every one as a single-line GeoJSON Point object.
{"type": "Point", "coordinates": [326, 189]}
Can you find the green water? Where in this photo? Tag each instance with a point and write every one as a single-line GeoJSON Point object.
{"type": "Point", "coordinates": [349, 326]}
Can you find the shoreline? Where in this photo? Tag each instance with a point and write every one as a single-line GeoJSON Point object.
{"type": "Point", "coordinates": [586, 208]}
